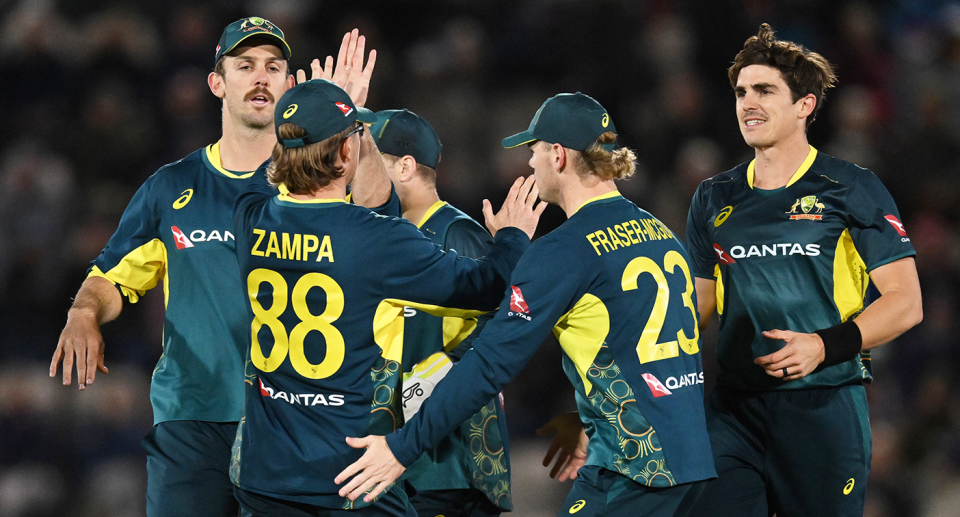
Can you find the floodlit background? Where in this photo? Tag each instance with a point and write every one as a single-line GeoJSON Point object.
{"type": "Point", "coordinates": [99, 94]}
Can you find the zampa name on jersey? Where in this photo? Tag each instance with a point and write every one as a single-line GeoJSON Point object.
{"type": "Point", "coordinates": [775, 250]}
{"type": "Point", "coordinates": [184, 241]}
{"type": "Point", "coordinates": [302, 399]}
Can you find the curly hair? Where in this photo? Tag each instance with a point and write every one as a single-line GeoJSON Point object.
{"type": "Point", "coordinates": [617, 164]}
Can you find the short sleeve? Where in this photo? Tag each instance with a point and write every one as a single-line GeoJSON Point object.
{"type": "Point", "coordinates": [699, 245]}
{"type": "Point", "coordinates": [874, 223]}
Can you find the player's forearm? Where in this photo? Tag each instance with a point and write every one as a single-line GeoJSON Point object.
{"type": "Point", "coordinates": [97, 298]}
{"type": "Point", "coordinates": [371, 186]}
{"type": "Point", "coordinates": [706, 299]}
{"type": "Point", "coordinates": [892, 314]}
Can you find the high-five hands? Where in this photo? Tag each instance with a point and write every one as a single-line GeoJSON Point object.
{"type": "Point", "coordinates": [350, 72]}
{"type": "Point", "coordinates": [518, 208]}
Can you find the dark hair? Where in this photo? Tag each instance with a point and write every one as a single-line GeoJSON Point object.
{"type": "Point", "coordinates": [804, 71]}
{"type": "Point", "coordinates": [617, 164]}
{"type": "Point", "coordinates": [305, 169]}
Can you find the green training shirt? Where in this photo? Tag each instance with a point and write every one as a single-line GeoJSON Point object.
{"type": "Point", "coordinates": [795, 258]}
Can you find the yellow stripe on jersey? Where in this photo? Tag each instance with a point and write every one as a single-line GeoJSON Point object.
{"type": "Point", "coordinates": [582, 332]}
{"type": "Point", "coordinates": [608, 195]}
{"type": "Point", "coordinates": [455, 330]}
{"type": "Point", "coordinates": [213, 155]}
{"type": "Point", "coordinates": [719, 276]}
{"type": "Point", "coordinates": [804, 167]}
{"type": "Point", "coordinates": [850, 277]}
{"type": "Point", "coordinates": [139, 271]}
{"type": "Point", "coordinates": [430, 211]}
{"type": "Point", "coordinates": [388, 325]}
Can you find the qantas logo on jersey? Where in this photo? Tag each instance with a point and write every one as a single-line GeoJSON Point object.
{"type": "Point", "coordinates": [301, 399]}
{"type": "Point", "coordinates": [183, 241]}
{"type": "Point", "coordinates": [518, 306]}
{"type": "Point", "coordinates": [773, 250]}
{"type": "Point", "coordinates": [898, 226]}
{"type": "Point", "coordinates": [180, 238]}
{"type": "Point", "coordinates": [723, 256]}
{"type": "Point", "coordinates": [687, 379]}
{"type": "Point", "coordinates": [657, 389]}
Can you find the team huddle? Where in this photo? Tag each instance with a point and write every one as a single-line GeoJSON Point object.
{"type": "Point", "coordinates": [340, 347]}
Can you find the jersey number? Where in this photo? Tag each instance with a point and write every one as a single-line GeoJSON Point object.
{"type": "Point", "coordinates": [293, 344]}
{"type": "Point", "coordinates": [648, 349]}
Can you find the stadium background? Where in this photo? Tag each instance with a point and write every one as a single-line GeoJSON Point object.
{"type": "Point", "coordinates": [100, 94]}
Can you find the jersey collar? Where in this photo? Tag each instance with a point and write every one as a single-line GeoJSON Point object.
{"type": "Point", "coordinates": [804, 167]}
{"type": "Point", "coordinates": [285, 197]}
{"type": "Point", "coordinates": [608, 195]}
{"type": "Point", "coordinates": [213, 158]}
{"type": "Point", "coordinates": [430, 211]}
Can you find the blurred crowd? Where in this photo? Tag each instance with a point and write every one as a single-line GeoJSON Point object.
{"type": "Point", "coordinates": [102, 93]}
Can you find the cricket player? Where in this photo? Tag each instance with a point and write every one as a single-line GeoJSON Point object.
{"type": "Point", "coordinates": [325, 283]}
{"type": "Point", "coordinates": [614, 285]}
{"type": "Point", "coordinates": [784, 248]}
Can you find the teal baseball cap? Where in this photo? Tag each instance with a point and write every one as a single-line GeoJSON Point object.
{"type": "Point", "coordinates": [244, 28]}
{"type": "Point", "coordinates": [321, 108]}
{"type": "Point", "coordinates": [573, 120]}
{"type": "Point", "coordinates": [403, 132]}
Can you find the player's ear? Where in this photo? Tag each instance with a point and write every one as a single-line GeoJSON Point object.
{"type": "Point", "coordinates": [408, 168]}
{"type": "Point", "coordinates": [807, 104]}
{"type": "Point", "coordinates": [215, 82]}
{"type": "Point", "coordinates": [291, 81]}
{"type": "Point", "coordinates": [559, 155]}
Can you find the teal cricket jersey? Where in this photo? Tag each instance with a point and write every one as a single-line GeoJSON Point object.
{"type": "Point", "coordinates": [477, 454]}
{"type": "Point", "coordinates": [794, 258]}
{"type": "Point", "coordinates": [327, 283]}
{"type": "Point", "coordinates": [178, 229]}
{"type": "Point", "coordinates": [613, 284]}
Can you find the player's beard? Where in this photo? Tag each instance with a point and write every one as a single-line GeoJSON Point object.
{"type": "Point", "coordinates": [251, 117]}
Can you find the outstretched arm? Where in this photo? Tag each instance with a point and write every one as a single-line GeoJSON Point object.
{"type": "Point", "coordinates": [897, 310]}
{"type": "Point", "coordinates": [96, 303]}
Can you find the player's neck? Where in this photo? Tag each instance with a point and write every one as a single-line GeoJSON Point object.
{"type": "Point", "coordinates": [244, 148]}
{"type": "Point", "coordinates": [576, 193]}
{"type": "Point", "coordinates": [776, 165]}
{"type": "Point", "coordinates": [336, 189]}
{"type": "Point", "coordinates": [416, 202]}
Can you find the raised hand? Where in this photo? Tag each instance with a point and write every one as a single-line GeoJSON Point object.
{"type": "Point", "coordinates": [518, 208]}
{"type": "Point", "coordinates": [349, 71]}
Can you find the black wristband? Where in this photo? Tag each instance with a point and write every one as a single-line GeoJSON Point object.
{"type": "Point", "coordinates": [840, 343]}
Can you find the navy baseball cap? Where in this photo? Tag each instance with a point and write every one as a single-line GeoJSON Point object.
{"type": "Point", "coordinates": [321, 108]}
{"type": "Point", "coordinates": [245, 28]}
{"type": "Point", "coordinates": [403, 132]}
{"type": "Point", "coordinates": [573, 120]}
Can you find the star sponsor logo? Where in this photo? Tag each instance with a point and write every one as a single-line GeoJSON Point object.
{"type": "Point", "coordinates": [781, 249]}
{"type": "Point", "coordinates": [805, 205]}
{"type": "Point", "coordinates": [682, 381]}
{"type": "Point", "coordinates": [657, 389]}
{"type": "Point", "coordinates": [722, 255]}
{"type": "Point", "coordinates": [897, 225]}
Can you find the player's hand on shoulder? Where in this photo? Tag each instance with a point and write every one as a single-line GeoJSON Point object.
{"type": "Point", "coordinates": [800, 355]}
{"type": "Point", "coordinates": [80, 343]}
{"type": "Point", "coordinates": [373, 473]}
{"type": "Point", "coordinates": [569, 446]}
{"type": "Point", "coordinates": [520, 209]}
